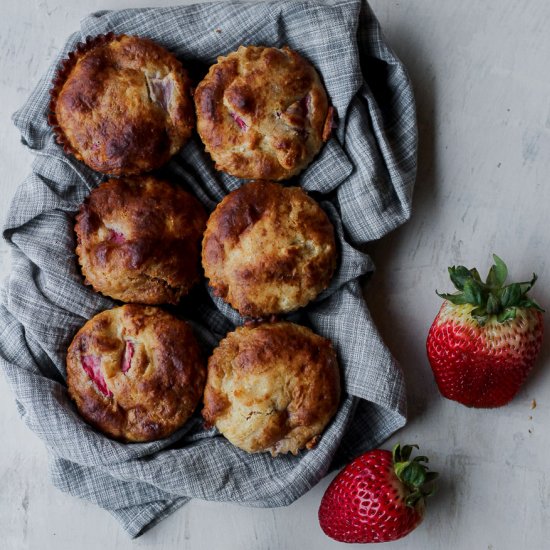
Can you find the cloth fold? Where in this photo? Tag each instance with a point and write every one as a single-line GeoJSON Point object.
{"type": "Point", "coordinates": [364, 178]}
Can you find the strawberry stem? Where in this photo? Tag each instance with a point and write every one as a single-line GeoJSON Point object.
{"type": "Point", "coordinates": [413, 474]}
{"type": "Point", "coordinates": [492, 297]}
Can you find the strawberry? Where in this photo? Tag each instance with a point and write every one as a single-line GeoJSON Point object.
{"type": "Point", "coordinates": [379, 497]}
{"type": "Point", "coordinates": [486, 337]}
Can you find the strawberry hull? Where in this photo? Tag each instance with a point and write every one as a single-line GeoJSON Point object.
{"type": "Point", "coordinates": [482, 366]}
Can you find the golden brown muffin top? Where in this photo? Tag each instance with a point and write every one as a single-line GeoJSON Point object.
{"type": "Point", "coordinates": [272, 387]}
{"type": "Point", "coordinates": [268, 249]}
{"type": "Point", "coordinates": [262, 113]}
{"type": "Point", "coordinates": [139, 240]}
{"type": "Point", "coordinates": [135, 373]}
{"type": "Point", "coordinates": [121, 104]}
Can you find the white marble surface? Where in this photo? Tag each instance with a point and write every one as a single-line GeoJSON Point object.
{"type": "Point", "coordinates": [481, 73]}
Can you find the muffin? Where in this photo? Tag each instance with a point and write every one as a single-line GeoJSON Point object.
{"type": "Point", "coordinates": [121, 104]}
{"type": "Point", "coordinates": [139, 240]}
{"type": "Point", "coordinates": [135, 372]}
{"type": "Point", "coordinates": [272, 387]}
{"type": "Point", "coordinates": [268, 249]}
{"type": "Point", "coordinates": [262, 113]}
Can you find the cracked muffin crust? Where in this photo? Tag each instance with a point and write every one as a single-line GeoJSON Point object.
{"type": "Point", "coordinates": [138, 240]}
{"type": "Point", "coordinates": [268, 249]}
{"type": "Point", "coordinates": [272, 387]}
{"type": "Point", "coordinates": [121, 104]}
{"type": "Point", "coordinates": [262, 113]}
{"type": "Point", "coordinates": [136, 373]}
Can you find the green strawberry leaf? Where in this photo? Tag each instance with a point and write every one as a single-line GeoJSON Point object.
{"type": "Point", "coordinates": [510, 295]}
{"type": "Point", "coordinates": [459, 275]}
{"type": "Point", "coordinates": [431, 476]}
{"type": "Point", "coordinates": [530, 303]}
{"type": "Point", "coordinates": [507, 314]}
{"type": "Point", "coordinates": [473, 292]}
{"type": "Point", "coordinates": [475, 275]}
{"type": "Point", "coordinates": [413, 498]}
{"type": "Point", "coordinates": [396, 453]}
{"type": "Point", "coordinates": [528, 285]}
{"type": "Point", "coordinates": [411, 473]}
{"type": "Point", "coordinates": [402, 454]}
{"type": "Point", "coordinates": [492, 280]}
{"type": "Point", "coordinates": [493, 304]}
{"type": "Point", "coordinates": [480, 315]}
{"type": "Point", "coordinates": [456, 299]}
{"type": "Point", "coordinates": [429, 493]}
{"type": "Point", "coordinates": [498, 273]}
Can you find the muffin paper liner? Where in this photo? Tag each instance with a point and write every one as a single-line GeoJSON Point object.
{"type": "Point", "coordinates": [363, 177]}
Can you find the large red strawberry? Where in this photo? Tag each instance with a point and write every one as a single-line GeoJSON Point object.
{"type": "Point", "coordinates": [379, 497]}
{"type": "Point", "coordinates": [485, 338]}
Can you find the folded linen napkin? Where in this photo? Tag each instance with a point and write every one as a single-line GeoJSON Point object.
{"type": "Point", "coordinates": [364, 177]}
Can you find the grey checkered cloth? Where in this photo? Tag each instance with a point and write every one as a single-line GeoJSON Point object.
{"type": "Point", "coordinates": [364, 177]}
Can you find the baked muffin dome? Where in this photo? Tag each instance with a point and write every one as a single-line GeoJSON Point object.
{"type": "Point", "coordinates": [121, 104]}
{"type": "Point", "coordinates": [262, 113]}
{"type": "Point", "coordinates": [272, 387]}
{"type": "Point", "coordinates": [268, 249]}
{"type": "Point", "coordinates": [139, 240]}
{"type": "Point", "coordinates": [135, 372]}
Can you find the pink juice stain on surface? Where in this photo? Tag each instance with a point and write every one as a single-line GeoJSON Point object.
{"type": "Point", "coordinates": [92, 366]}
{"type": "Point", "coordinates": [128, 354]}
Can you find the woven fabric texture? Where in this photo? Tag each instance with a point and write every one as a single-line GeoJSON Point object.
{"type": "Point", "coordinates": [363, 177]}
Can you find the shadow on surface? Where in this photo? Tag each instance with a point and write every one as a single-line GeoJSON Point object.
{"type": "Point", "coordinates": [406, 342]}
